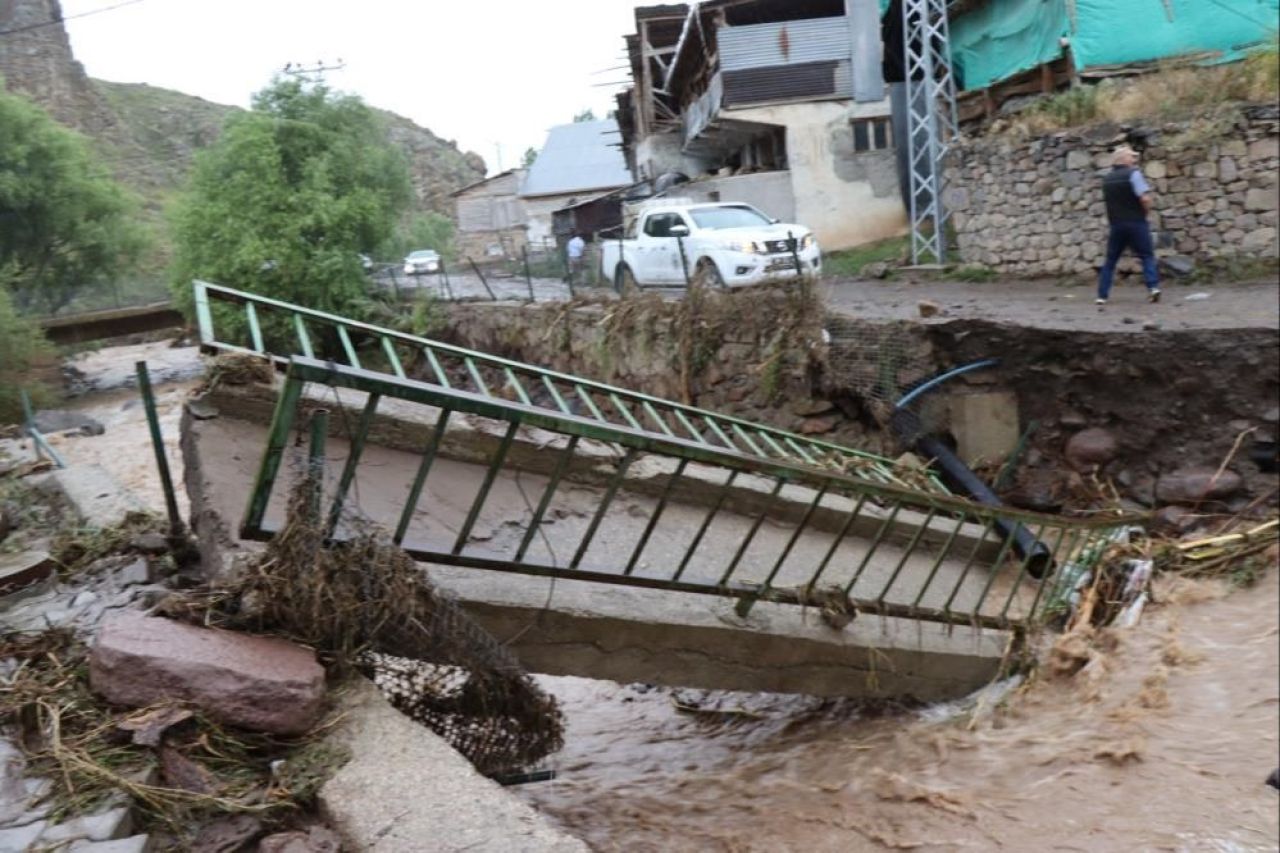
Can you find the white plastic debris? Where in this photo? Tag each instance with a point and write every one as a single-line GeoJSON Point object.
{"type": "Point", "coordinates": [1195, 297]}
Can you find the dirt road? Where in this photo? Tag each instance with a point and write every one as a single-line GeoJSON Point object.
{"type": "Point", "coordinates": [1062, 305]}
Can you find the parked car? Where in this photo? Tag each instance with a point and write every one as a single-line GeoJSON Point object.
{"type": "Point", "coordinates": [421, 262]}
{"type": "Point", "coordinates": [724, 245]}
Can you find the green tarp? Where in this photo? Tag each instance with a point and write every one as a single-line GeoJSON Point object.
{"type": "Point", "coordinates": [1108, 32]}
{"type": "Point", "coordinates": [1004, 37]}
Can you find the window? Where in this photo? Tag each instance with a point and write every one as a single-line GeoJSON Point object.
{"type": "Point", "coordinates": [872, 134]}
{"type": "Point", "coordinates": [659, 225]}
{"type": "Point", "coordinates": [712, 218]}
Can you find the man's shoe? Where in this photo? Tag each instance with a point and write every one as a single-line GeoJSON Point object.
{"type": "Point", "coordinates": [1154, 295]}
{"type": "Point", "coordinates": [1099, 302]}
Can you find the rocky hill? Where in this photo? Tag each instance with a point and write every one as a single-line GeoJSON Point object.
{"type": "Point", "coordinates": [149, 135]}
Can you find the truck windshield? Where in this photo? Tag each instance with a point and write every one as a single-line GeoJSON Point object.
{"type": "Point", "coordinates": [728, 217]}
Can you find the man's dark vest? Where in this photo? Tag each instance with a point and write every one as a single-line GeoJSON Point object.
{"type": "Point", "coordinates": [1123, 204]}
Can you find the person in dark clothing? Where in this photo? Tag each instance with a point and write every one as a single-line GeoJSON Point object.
{"type": "Point", "coordinates": [1128, 197]}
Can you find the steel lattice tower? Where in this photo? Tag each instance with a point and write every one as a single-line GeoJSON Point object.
{"type": "Point", "coordinates": [932, 123]}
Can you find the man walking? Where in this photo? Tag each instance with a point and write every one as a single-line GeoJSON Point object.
{"type": "Point", "coordinates": [1128, 197]}
{"type": "Point", "coordinates": [574, 249]}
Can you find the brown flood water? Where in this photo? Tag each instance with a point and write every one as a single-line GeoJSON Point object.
{"type": "Point", "coordinates": [1163, 742]}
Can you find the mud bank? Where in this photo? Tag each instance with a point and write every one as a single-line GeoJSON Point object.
{"type": "Point", "coordinates": [1171, 398]}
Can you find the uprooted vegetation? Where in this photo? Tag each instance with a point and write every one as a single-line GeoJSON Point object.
{"type": "Point", "coordinates": [178, 768]}
{"type": "Point", "coordinates": [364, 605]}
{"type": "Point", "coordinates": [367, 607]}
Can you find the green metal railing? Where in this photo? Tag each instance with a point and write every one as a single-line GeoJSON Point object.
{"type": "Point", "coordinates": [280, 330]}
{"type": "Point", "coordinates": [885, 548]}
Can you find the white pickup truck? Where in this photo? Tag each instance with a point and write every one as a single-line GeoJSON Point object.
{"type": "Point", "coordinates": [724, 245]}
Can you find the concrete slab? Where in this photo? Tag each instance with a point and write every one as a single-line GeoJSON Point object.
{"type": "Point", "coordinates": [628, 634]}
{"type": "Point", "coordinates": [405, 789]}
{"type": "Point", "coordinates": [985, 425]}
{"type": "Point", "coordinates": [93, 493]}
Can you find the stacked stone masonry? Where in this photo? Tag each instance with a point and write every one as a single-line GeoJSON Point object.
{"type": "Point", "coordinates": [1034, 207]}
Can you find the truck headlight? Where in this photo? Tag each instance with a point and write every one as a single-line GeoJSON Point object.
{"type": "Point", "coordinates": [807, 241]}
{"type": "Point", "coordinates": [745, 246]}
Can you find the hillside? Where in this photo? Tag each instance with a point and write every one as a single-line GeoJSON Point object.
{"type": "Point", "coordinates": [157, 131]}
{"type": "Point", "coordinates": [149, 135]}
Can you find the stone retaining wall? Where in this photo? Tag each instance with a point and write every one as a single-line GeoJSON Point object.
{"type": "Point", "coordinates": [1035, 207]}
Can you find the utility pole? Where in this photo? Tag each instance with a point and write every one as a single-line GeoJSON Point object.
{"type": "Point", "coordinates": [312, 73]}
{"type": "Point", "coordinates": [932, 123]}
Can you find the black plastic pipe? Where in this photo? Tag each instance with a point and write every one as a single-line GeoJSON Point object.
{"type": "Point", "coordinates": [959, 477]}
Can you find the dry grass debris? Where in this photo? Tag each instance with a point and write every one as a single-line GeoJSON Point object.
{"type": "Point", "coordinates": [187, 770]}
{"type": "Point", "coordinates": [1171, 92]}
{"type": "Point", "coordinates": [365, 605]}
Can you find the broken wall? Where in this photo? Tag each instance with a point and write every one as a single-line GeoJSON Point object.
{"type": "Point", "coordinates": [1034, 207]}
{"type": "Point", "coordinates": [847, 198]}
{"type": "Point", "coordinates": [769, 191]}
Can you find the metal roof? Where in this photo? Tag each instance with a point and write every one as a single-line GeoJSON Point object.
{"type": "Point", "coordinates": [484, 181]}
{"type": "Point", "coordinates": [581, 156]}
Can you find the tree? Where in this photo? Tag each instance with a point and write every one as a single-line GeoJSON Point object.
{"type": "Point", "coordinates": [22, 348]}
{"type": "Point", "coordinates": [530, 155]}
{"type": "Point", "coordinates": [586, 115]}
{"type": "Point", "coordinates": [287, 199]}
{"type": "Point", "coordinates": [65, 224]}
{"type": "Point", "coordinates": [429, 230]}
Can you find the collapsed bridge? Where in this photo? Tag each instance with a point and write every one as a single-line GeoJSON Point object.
{"type": "Point", "coordinates": [574, 518]}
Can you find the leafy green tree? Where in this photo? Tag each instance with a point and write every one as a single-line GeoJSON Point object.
{"type": "Point", "coordinates": [65, 224]}
{"type": "Point", "coordinates": [429, 230]}
{"type": "Point", "coordinates": [22, 347]}
{"type": "Point", "coordinates": [287, 199]}
{"type": "Point", "coordinates": [530, 156]}
{"type": "Point", "coordinates": [586, 115]}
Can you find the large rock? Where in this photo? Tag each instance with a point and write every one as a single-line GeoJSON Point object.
{"type": "Point", "coordinates": [254, 682]}
{"type": "Point", "coordinates": [24, 569]}
{"type": "Point", "coordinates": [1193, 485]}
{"type": "Point", "coordinates": [95, 495]}
{"type": "Point", "coordinates": [1090, 447]}
{"type": "Point", "coordinates": [405, 790]}
{"type": "Point", "coordinates": [59, 420]}
{"type": "Point", "coordinates": [315, 840]}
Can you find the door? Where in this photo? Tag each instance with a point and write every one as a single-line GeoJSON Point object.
{"type": "Point", "coordinates": [660, 256]}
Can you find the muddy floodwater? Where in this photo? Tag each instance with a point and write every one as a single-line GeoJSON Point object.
{"type": "Point", "coordinates": [1162, 742]}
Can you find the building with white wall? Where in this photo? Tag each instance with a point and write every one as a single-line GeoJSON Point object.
{"type": "Point", "coordinates": [778, 103]}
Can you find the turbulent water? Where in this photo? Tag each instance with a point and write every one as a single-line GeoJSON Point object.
{"type": "Point", "coordinates": [1162, 742]}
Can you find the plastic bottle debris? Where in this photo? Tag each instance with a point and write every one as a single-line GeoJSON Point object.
{"type": "Point", "coordinates": [1195, 297]}
{"type": "Point", "coordinates": [1132, 613]}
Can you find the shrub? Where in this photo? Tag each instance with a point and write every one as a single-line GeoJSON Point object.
{"type": "Point", "coordinates": [22, 347]}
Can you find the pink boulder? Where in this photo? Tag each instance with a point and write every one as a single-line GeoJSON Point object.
{"type": "Point", "coordinates": [253, 682]}
{"type": "Point", "coordinates": [1091, 447]}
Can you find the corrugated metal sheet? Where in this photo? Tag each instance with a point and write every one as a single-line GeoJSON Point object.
{"type": "Point", "coordinates": [576, 157]}
{"type": "Point", "coordinates": [704, 110]}
{"type": "Point", "coordinates": [810, 81]}
{"type": "Point", "coordinates": [789, 43]}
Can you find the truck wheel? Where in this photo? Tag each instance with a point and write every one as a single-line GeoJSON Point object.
{"type": "Point", "coordinates": [708, 275]}
{"type": "Point", "coordinates": [624, 281]}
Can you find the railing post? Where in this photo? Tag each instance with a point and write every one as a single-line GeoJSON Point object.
{"type": "Point", "coordinates": [315, 464]}
{"type": "Point", "coordinates": [483, 280]}
{"type": "Point", "coordinates": [176, 527]}
{"type": "Point", "coordinates": [528, 277]}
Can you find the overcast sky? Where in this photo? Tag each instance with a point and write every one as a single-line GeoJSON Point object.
{"type": "Point", "coordinates": [481, 72]}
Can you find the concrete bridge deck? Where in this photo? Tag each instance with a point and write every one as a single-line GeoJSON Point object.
{"type": "Point", "coordinates": [620, 633]}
